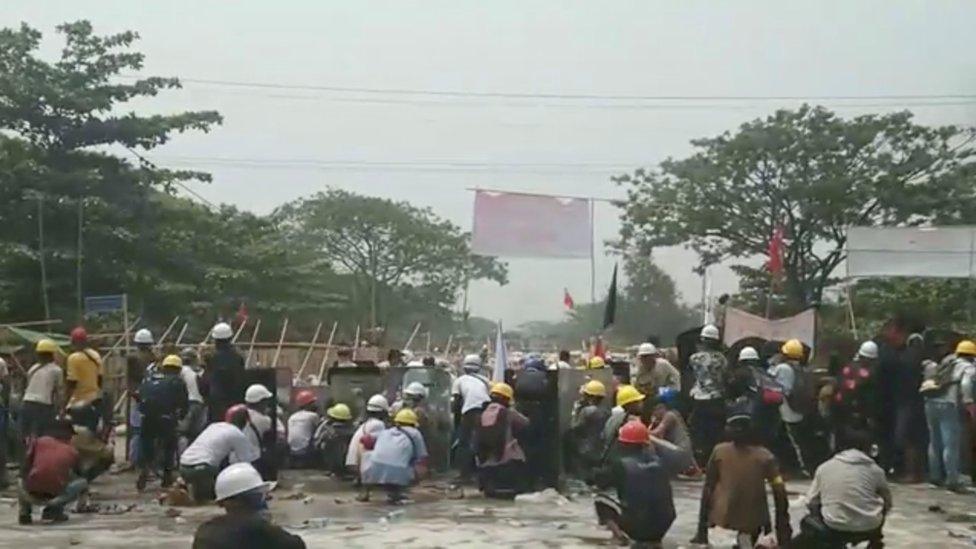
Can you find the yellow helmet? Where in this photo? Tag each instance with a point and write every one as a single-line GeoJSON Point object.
{"type": "Point", "coordinates": [792, 349]}
{"type": "Point", "coordinates": [596, 363]}
{"type": "Point", "coordinates": [172, 361]}
{"type": "Point", "coordinates": [503, 389]}
{"type": "Point", "coordinates": [339, 411]}
{"type": "Point", "coordinates": [966, 347]}
{"type": "Point", "coordinates": [47, 346]}
{"type": "Point", "coordinates": [627, 394]}
{"type": "Point", "coordinates": [594, 388]}
{"type": "Point", "coordinates": [405, 416]}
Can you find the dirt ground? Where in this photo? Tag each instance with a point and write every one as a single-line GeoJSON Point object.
{"type": "Point", "coordinates": [325, 512]}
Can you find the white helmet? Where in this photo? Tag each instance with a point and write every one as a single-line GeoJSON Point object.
{"type": "Point", "coordinates": [748, 353]}
{"type": "Point", "coordinates": [709, 331]}
{"type": "Point", "coordinates": [237, 479]}
{"type": "Point", "coordinates": [377, 403]}
{"type": "Point", "coordinates": [415, 388]}
{"type": "Point", "coordinates": [144, 337]}
{"type": "Point", "coordinates": [407, 355]}
{"type": "Point", "coordinates": [646, 349]}
{"type": "Point", "coordinates": [222, 330]}
{"type": "Point", "coordinates": [256, 393]}
{"type": "Point", "coordinates": [868, 349]}
{"type": "Point", "coordinates": [472, 362]}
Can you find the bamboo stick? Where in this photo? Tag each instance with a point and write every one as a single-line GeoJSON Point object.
{"type": "Point", "coordinates": [447, 349]}
{"type": "Point", "coordinates": [250, 349]}
{"type": "Point", "coordinates": [281, 340]}
{"type": "Point", "coordinates": [240, 329]}
{"type": "Point", "coordinates": [355, 344]}
{"type": "Point", "coordinates": [159, 342]}
{"type": "Point", "coordinates": [412, 335]}
{"type": "Point", "coordinates": [179, 338]}
{"type": "Point", "coordinates": [328, 349]}
{"type": "Point", "coordinates": [311, 347]}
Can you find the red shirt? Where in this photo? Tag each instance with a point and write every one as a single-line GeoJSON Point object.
{"type": "Point", "coordinates": [51, 466]}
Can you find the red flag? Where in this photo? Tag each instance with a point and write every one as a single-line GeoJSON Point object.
{"type": "Point", "coordinates": [568, 299]}
{"type": "Point", "coordinates": [241, 316]}
{"type": "Point", "coordinates": [775, 252]}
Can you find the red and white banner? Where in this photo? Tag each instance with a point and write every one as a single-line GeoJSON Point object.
{"type": "Point", "coordinates": [530, 225]}
{"type": "Point", "coordinates": [740, 324]}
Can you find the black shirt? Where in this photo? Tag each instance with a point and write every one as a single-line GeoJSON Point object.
{"type": "Point", "coordinates": [244, 531]}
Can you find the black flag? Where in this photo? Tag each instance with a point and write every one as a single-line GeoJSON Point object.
{"type": "Point", "coordinates": [610, 313]}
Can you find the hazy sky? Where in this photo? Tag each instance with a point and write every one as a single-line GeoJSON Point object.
{"type": "Point", "coordinates": [280, 144]}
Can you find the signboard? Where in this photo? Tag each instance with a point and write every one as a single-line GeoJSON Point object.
{"type": "Point", "coordinates": [96, 304]}
{"type": "Point", "coordinates": [530, 225]}
{"type": "Point", "coordinates": [930, 252]}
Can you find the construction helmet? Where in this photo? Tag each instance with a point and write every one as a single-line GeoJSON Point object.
{"type": "Point", "coordinates": [238, 479]}
{"type": "Point", "coordinates": [406, 416]}
{"type": "Point", "coordinates": [633, 432]}
{"type": "Point", "coordinates": [596, 362]}
{"type": "Point", "coordinates": [377, 403]}
{"type": "Point", "coordinates": [503, 389]}
{"type": "Point", "coordinates": [143, 337]}
{"type": "Point", "coordinates": [304, 398]}
{"type": "Point", "coordinates": [256, 393]}
{"type": "Point", "coordinates": [709, 331]}
{"type": "Point", "coordinates": [966, 347]}
{"type": "Point", "coordinates": [748, 353]}
{"type": "Point", "coordinates": [471, 363]}
{"type": "Point", "coordinates": [47, 346]}
{"type": "Point", "coordinates": [234, 412]}
{"type": "Point", "coordinates": [627, 394]}
{"type": "Point", "coordinates": [534, 363]}
{"type": "Point", "coordinates": [595, 388]}
{"type": "Point", "coordinates": [792, 349]}
{"type": "Point", "coordinates": [172, 361]}
{"type": "Point", "coordinates": [868, 349]}
{"type": "Point", "coordinates": [221, 330]}
{"type": "Point", "coordinates": [666, 395]}
{"type": "Point", "coordinates": [340, 412]}
{"type": "Point", "coordinates": [79, 335]}
{"type": "Point", "coordinates": [646, 349]}
{"type": "Point", "coordinates": [416, 389]}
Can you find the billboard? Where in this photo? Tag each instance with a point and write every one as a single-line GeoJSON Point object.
{"type": "Point", "coordinates": [931, 252]}
{"type": "Point", "coordinates": [530, 225]}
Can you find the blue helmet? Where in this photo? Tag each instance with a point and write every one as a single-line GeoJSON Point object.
{"type": "Point", "coordinates": [534, 363]}
{"type": "Point", "coordinates": [666, 395]}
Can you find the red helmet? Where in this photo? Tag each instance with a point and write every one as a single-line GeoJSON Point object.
{"type": "Point", "coordinates": [634, 432]}
{"type": "Point", "coordinates": [79, 335]}
{"type": "Point", "coordinates": [304, 398]}
{"type": "Point", "coordinates": [234, 411]}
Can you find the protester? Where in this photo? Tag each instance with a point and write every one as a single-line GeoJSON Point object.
{"type": "Point", "coordinates": [596, 363]}
{"type": "Point", "coordinates": [748, 379]}
{"type": "Point", "coordinates": [565, 360]}
{"type": "Point", "coordinates": [413, 398]}
{"type": "Point", "coordinates": [332, 438]}
{"type": "Point", "coordinates": [586, 428]}
{"type": "Point", "coordinates": [470, 394]}
{"type": "Point", "coordinates": [849, 497]}
{"type": "Point", "coordinates": [399, 456]}
{"type": "Point", "coordinates": [224, 440]}
{"type": "Point", "coordinates": [261, 431]}
{"type": "Point", "coordinates": [44, 393]}
{"type": "Point", "coordinates": [377, 414]}
{"type": "Point", "coordinates": [734, 494]}
{"type": "Point", "coordinates": [163, 403]}
{"type": "Point", "coordinates": [796, 442]}
{"type": "Point", "coordinates": [910, 430]}
{"type": "Point", "coordinates": [639, 506]}
{"type": "Point", "coordinates": [535, 402]}
{"type": "Point", "coordinates": [345, 358]}
{"type": "Point", "coordinates": [670, 437]}
{"type": "Point", "coordinates": [502, 468]}
{"type": "Point", "coordinates": [654, 371]}
{"type": "Point", "coordinates": [224, 372]}
{"type": "Point", "coordinates": [84, 380]}
{"type": "Point", "coordinates": [709, 367]}
{"type": "Point", "coordinates": [50, 475]}
{"type": "Point", "coordinates": [95, 457]}
{"type": "Point", "coordinates": [137, 366]}
{"type": "Point", "coordinates": [242, 493]}
{"type": "Point", "coordinates": [301, 428]}
{"type": "Point", "coordinates": [857, 401]}
{"type": "Point", "coordinates": [630, 405]}
{"type": "Point", "coordinates": [196, 413]}
{"type": "Point", "coordinates": [948, 391]}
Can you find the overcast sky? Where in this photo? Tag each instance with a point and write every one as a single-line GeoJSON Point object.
{"type": "Point", "coordinates": [280, 144]}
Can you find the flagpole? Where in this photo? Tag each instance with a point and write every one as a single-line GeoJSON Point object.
{"type": "Point", "coordinates": [592, 253]}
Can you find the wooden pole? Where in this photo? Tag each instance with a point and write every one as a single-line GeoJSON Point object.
{"type": "Point", "coordinates": [250, 349]}
{"type": "Point", "coordinates": [79, 247]}
{"type": "Point", "coordinates": [281, 341]}
{"type": "Point", "coordinates": [311, 347]}
{"type": "Point", "coordinates": [240, 329]}
{"type": "Point", "coordinates": [31, 323]}
{"type": "Point", "coordinates": [355, 344]}
{"type": "Point", "coordinates": [159, 342]}
{"type": "Point", "coordinates": [328, 349]}
{"type": "Point", "coordinates": [179, 338]}
{"type": "Point", "coordinates": [447, 348]}
{"type": "Point", "coordinates": [412, 335]}
{"type": "Point", "coordinates": [41, 254]}
{"type": "Point", "coordinates": [427, 350]}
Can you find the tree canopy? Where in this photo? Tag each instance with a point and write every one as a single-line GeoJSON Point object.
{"type": "Point", "coordinates": [810, 172]}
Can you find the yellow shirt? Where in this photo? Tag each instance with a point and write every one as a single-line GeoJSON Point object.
{"type": "Point", "coordinates": [84, 367]}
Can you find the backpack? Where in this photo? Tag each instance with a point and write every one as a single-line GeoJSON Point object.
{"type": "Point", "coordinates": [940, 382]}
{"type": "Point", "coordinates": [770, 391]}
{"type": "Point", "coordinates": [803, 397]}
{"type": "Point", "coordinates": [157, 395]}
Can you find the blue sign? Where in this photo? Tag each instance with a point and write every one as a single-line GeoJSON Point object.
{"type": "Point", "coordinates": [104, 303]}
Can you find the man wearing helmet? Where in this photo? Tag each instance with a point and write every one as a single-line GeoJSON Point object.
{"type": "Point", "coordinates": [535, 400]}
{"type": "Point", "coordinates": [654, 371]}
{"type": "Point", "coordinates": [398, 458]}
{"type": "Point", "coordinates": [163, 402]}
{"type": "Point", "coordinates": [83, 375]}
{"type": "Point", "coordinates": [261, 430]}
{"type": "Point", "coordinates": [470, 395]}
{"type": "Point", "coordinates": [670, 434]}
{"type": "Point", "coordinates": [708, 393]}
{"type": "Point", "coordinates": [44, 392]}
{"type": "Point", "coordinates": [332, 440]}
{"type": "Point", "coordinates": [224, 372]}
{"type": "Point", "coordinates": [301, 427]}
{"type": "Point", "coordinates": [220, 441]}
{"type": "Point", "coordinates": [586, 428]}
{"type": "Point", "coordinates": [948, 391]}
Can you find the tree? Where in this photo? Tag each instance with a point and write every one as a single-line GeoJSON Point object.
{"type": "Point", "coordinates": [389, 248]}
{"type": "Point", "coordinates": [810, 172]}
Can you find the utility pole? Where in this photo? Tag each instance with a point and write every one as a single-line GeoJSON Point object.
{"type": "Point", "coordinates": [40, 255]}
{"type": "Point", "coordinates": [81, 214]}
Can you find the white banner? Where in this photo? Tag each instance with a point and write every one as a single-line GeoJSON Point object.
{"type": "Point", "coordinates": [528, 225]}
{"type": "Point", "coordinates": [740, 324]}
{"type": "Point", "coordinates": [935, 252]}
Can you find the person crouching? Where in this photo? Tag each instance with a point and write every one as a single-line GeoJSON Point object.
{"type": "Point", "coordinates": [502, 470]}
{"type": "Point", "coordinates": [50, 474]}
{"type": "Point", "coordinates": [332, 440]}
{"type": "Point", "coordinates": [399, 457]}
{"type": "Point", "coordinates": [301, 428]}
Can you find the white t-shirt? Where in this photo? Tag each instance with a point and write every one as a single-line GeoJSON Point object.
{"type": "Point", "coordinates": [43, 381]}
{"type": "Point", "coordinates": [371, 426]}
{"type": "Point", "coordinates": [218, 442]}
{"type": "Point", "coordinates": [473, 390]}
{"type": "Point", "coordinates": [259, 427]}
{"type": "Point", "coordinates": [301, 427]}
{"type": "Point", "coordinates": [786, 377]}
{"type": "Point", "coordinates": [192, 380]}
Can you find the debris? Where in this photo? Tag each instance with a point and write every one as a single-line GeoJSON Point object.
{"type": "Point", "coordinates": [74, 541]}
{"type": "Point", "coordinates": [179, 520]}
{"type": "Point", "coordinates": [320, 522]}
{"type": "Point", "coordinates": [514, 523]}
{"type": "Point", "coordinates": [548, 496]}
{"type": "Point", "coordinates": [173, 512]}
{"type": "Point", "coordinates": [561, 526]}
{"type": "Point", "coordinates": [958, 535]}
{"type": "Point", "coordinates": [961, 517]}
{"type": "Point", "coordinates": [354, 527]}
{"type": "Point", "coordinates": [936, 509]}
{"type": "Point", "coordinates": [293, 496]}
{"type": "Point", "coordinates": [308, 500]}
{"type": "Point", "coordinates": [393, 515]}
{"type": "Point", "coordinates": [176, 496]}
{"type": "Point", "coordinates": [339, 501]}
